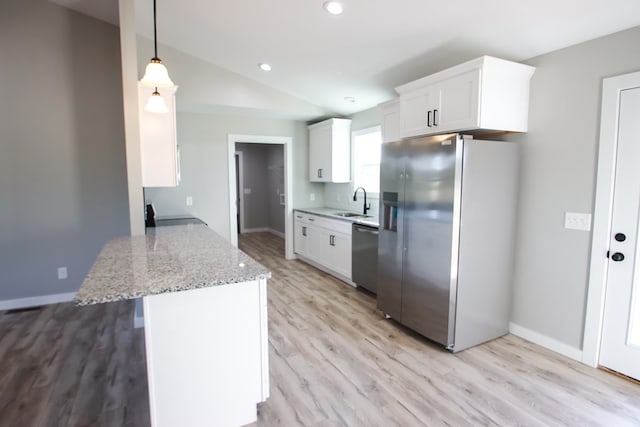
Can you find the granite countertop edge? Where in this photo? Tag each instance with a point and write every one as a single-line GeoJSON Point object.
{"type": "Point", "coordinates": [123, 296]}
{"type": "Point", "coordinates": [166, 260]}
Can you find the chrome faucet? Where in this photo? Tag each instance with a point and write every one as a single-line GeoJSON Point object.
{"type": "Point", "coordinates": [366, 207]}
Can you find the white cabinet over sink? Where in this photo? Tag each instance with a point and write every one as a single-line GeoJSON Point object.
{"type": "Point", "coordinates": [486, 93]}
{"type": "Point", "coordinates": [330, 151]}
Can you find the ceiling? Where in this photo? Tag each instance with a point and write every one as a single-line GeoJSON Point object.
{"type": "Point", "coordinates": [373, 46]}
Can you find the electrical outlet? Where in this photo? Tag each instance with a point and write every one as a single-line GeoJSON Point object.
{"type": "Point", "coordinates": [577, 221]}
{"type": "Point", "coordinates": [247, 191]}
{"type": "Point", "coordinates": [189, 201]}
{"type": "Point", "coordinates": [62, 273]}
{"type": "Point", "coordinates": [312, 196]}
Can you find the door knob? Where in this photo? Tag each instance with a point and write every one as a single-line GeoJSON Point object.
{"type": "Point", "coordinates": [620, 237]}
{"type": "Point", "coordinates": [617, 257]}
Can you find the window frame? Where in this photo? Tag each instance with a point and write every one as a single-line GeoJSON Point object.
{"type": "Point", "coordinates": [354, 134]}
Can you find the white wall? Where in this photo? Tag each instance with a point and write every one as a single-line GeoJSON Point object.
{"type": "Point", "coordinates": [557, 175]}
{"type": "Point", "coordinates": [203, 153]}
{"type": "Point", "coordinates": [63, 183]}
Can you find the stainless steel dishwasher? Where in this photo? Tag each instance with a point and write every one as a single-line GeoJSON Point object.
{"type": "Point", "coordinates": [364, 256]}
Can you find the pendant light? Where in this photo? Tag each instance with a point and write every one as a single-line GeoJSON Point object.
{"type": "Point", "coordinates": [156, 74]}
{"type": "Point", "coordinates": [156, 104]}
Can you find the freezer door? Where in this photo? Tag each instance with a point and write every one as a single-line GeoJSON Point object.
{"type": "Point", "coordinates": [432, 185]}
{"type": "Point", "coordinates": [390, 247]}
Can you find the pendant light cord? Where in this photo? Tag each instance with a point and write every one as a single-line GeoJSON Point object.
{"type": "Point", "coordinates": [155, 34]}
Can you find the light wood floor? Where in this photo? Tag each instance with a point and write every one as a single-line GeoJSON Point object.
{"type": "Point", "coordinates": [334, 361]}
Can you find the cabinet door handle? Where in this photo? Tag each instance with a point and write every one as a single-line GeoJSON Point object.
{"type": "Point", "coordinates": [319, 173]}
{"type": "Point", "coordinates": [434, 117]}
{"type": "Point", "coordinates": [304, 231]}
{"type": "Point", "coordinates": [332, 241]}
{"type": "Point", "coordinates": [311, 219]}
{"type": "Point", "coordinates": [429, 118]}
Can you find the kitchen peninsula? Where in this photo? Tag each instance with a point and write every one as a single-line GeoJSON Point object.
{"type": "Point", "coordinates": [205, 321]}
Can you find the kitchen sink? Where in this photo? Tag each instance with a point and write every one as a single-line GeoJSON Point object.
{"type": "Point", "coordinates": [351, 215]}
{"type": "Point", "coordinates": [347, 214]}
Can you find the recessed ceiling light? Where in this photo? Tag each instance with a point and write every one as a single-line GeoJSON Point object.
{"type": "Point", "coordinates": [349, 99]}
{"type": "Point", "coordinates": [264, 66]}
{"type": "Point", "coordinates": [333, 7]}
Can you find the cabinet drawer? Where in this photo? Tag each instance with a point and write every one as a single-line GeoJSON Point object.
{"type": "Point", "coordinates": [335, 225]}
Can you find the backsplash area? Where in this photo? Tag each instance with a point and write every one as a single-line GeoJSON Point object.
{"type": "Point", "coordinates": [340, 196]}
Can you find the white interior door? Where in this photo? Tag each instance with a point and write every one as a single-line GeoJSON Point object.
{"type": "Point", "coordinates": [620, 345]}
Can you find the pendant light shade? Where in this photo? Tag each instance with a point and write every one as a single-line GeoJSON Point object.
{"type": "Point", "coordinates": [156, 74]}
{"type": "Point", "coordinates": [156, 104]}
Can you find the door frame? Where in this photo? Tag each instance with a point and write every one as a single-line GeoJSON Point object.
{"type": "Point", "coordinates": [240, 188]}
{"type": "Point", "coordinates": [287, 143]}
{"type": "Point", "coordinates": [603, 213]}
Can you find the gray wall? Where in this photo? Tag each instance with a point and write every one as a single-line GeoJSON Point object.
{"type": "Point", "coordinates": [63, 189]}
{"type": "Point", "coordinates": [263, 175]}
{"type": "Point", "coordinates": [559, 159]}
{"type": "Point", "coordinates": [254, 175]}
{"type": "Point", "coordinates": [204, 166]}
{"type": "Point", "coordinates": [275, 180]}
{"type": "Point", "coordinates": [558, 173]}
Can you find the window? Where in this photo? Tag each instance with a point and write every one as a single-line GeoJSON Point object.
{"type": "Point", "coordinates": [366, 160]}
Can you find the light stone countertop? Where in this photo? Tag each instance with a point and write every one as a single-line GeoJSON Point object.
{"type": "Point", "coordinates": [167, 259]}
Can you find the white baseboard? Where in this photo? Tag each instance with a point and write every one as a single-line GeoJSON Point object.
{"type": "Point", "coordinates": [263, 230]}
{"type": "Point", "coordinates": [12, 304]}
{"type": "Point", "coordinates": [545, 341]}
{"type": "Point", "coordinates": [255, 230]}
{"type": "Point", "coordinates": [276, 233]}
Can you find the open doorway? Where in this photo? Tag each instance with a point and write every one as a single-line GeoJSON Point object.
{"type": "Point", "coordinates": [278, 172]}
{"type": "Point", "coordinates": [239, 186]}
{"type": "Point", "coordinates": [260, 188]}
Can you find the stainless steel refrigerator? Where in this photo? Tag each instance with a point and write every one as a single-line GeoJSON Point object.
{"type": "Point", "coordinates": [446, 242]}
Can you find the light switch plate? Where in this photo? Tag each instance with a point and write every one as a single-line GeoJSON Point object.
{"type": "Point", "coordinates": [312, 196]}
{"type": "Point", "coordinates": [189, 201]}
{"type": "Point", "coordinates": [577, 221]}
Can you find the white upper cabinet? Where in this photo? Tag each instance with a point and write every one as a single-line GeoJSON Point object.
{"type": "Point", "coordinates": [158, 142]}
{"type": "Point", "coordinates": [330, 151]}
{"type": "Point", "coordinates": [390, 120]}
{"type": "Point", "coordinates": [486, 93]}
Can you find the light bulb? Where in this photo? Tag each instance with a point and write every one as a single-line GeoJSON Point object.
{"type": "Point", "coordinates": [333, 7]}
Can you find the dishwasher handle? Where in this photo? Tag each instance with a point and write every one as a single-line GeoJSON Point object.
{"type": "Point", "coordinates": [366, 230]}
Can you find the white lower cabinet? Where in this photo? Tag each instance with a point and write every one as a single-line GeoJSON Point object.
{"type": "Point", "coordinates": [300, 236]}
{"type": "Point", "coordinates": [325, 242]}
